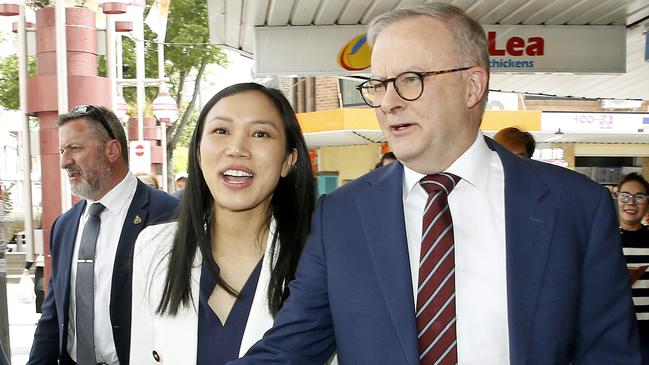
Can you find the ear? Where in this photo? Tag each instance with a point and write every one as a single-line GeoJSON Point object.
{"type": "Point", "coordinates": [477, 86]}
{"type": "Point", "coordinates": [289, 161]}
{"type": "Point", "coordinates": [113, 150]}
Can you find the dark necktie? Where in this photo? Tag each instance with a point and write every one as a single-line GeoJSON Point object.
{"type": "Point", "coordinates": [436, 285]}
{"type": "Point", "coordinates": [85, 288]}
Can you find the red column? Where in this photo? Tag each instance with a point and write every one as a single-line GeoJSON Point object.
{"type": "Point", "coordinates": [84, 87]}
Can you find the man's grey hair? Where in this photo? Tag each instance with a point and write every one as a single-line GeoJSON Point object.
{"type": "Point", "coordinates": [95, 124]}
{"type": "Point", "coordinates": [470, 42]}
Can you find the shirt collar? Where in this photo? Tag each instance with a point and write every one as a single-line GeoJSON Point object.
{"type": "Point", "coordinates": [115, 200]}
{"type": "Point", "coordinates": [472, 166]}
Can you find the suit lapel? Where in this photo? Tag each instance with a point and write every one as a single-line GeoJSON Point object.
{"type": "Point", "coordinates": [530, 213]}
{"type": "Point", "coordinates": [135, 221]}
{"type": "Point", "coordinates": [259, 317]}
{"type": "Point", "coordinates": [381, 211]}
{"type": "Point", "coordinates": [70, 228]}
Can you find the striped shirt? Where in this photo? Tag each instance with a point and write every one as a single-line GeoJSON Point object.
{"type": "Point", "coordinates": [635, 245]}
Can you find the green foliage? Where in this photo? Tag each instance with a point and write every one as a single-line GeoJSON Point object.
{"type": "Point", "coordinates": [9, 82]}
{"type": "Point", "coordinates": [186, 133]}
{"type": "Point", "coordinates": [9, 97]}
{"type": "Point", "coordinates": [7, 202]}
{"type": "Point", "coordinates": [188, 24]}
{"type": "Point", "coordinates": [180, 159]}
{"type": "Point", "coordinates": [39, 4]}
{"type": "Point", "coordinates": [101, 66]}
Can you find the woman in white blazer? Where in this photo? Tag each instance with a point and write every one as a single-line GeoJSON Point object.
{"type": "Point", "coordinates": [206, 288]}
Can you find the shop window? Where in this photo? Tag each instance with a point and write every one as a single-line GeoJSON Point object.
{"type": "Point", "coordinates": [351, 97]}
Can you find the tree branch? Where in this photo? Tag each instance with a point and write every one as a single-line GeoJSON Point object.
{"type": "Point", "coordinates": [177, 132]}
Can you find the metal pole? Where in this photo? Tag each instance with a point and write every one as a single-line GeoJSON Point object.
{"type": "Point", "coordinates": [120, 68]}
{"type": "Point", "coordinates": [138, 26]}
{"type": "Point", "coordinates": [26, 152]}
{"type": "Point", "coordinates": [163, 142]}
{"type": "Point", "coordinates": [161, 61]}
{"type": "Point", "coordinates": [4, 318]}
{"type": "Point", "coordinates": [110, 59]}
{"type": "Point", "coordinates": [62, 87]}
{"type": "Point", "coordinates": [163, 125]}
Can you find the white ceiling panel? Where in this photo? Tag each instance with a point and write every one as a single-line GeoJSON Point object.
{"type": "Point", "coordinates": [250, 18]}
{"type": "Point", "coordinates": [537, 12]}
{"type": "Point", "coordinates": [572, 11]}
{"type": "Point", "coordinates": [258, 9]}
{"type": "Point", "coordinates": [615, 16]}
{"type": "Point", "coordinates": [405, 3]}
{"type": "Point", "coordinates": [354, 11]}
{"type": "Point", "coordinates": [304, 12]}
{"type": "Point", "coordinates": [329, 12]}
{"type": "Point", "coordinates": [462, 4]}
{"type": "Point", "coordinates": [233, 23]}
{"type": "Point", "coordinates": [597, 13]}
{"type": "Point", "coordinates": [279, 12]}
{"type": "Point", "coordinates": [377, 8]}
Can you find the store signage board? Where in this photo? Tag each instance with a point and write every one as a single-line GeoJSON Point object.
{"type": "Point", "coordinates": [594, 122]}
{"type": "Point", "coordinates": [343, 50]}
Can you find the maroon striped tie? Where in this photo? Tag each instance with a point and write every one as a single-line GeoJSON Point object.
{"type": "Point", "coordinates": [436, 286]}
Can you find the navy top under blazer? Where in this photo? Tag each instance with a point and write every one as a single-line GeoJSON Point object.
{"type": "Point", "coordinates": [50, 339]}
{"type": "Point", "coordinates": [219, 343]}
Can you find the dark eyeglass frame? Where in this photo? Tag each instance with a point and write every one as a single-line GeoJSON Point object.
{"type": "Point", "coordinates": [625, 197]}
{"type": "Point", "coordinates": [89, 109]}
{"type": "Point", "coordinates": [422, 76]}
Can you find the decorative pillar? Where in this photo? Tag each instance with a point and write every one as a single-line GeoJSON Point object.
{"type": "Point", "coordinates": [84, 87]}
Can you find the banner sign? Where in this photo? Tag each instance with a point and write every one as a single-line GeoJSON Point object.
{"type": "Point", "coordinates": [343, 50]}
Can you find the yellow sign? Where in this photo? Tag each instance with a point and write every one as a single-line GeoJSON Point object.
{"type": "Point", "coordinates": [356, 54]}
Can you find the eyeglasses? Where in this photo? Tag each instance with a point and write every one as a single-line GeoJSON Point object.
{"type": "Point", "coordinates": [409, 85]}
{"type": "Point", "coordinates": [639, 198]}
{"type": "Point", "coordinates": [88, 109]}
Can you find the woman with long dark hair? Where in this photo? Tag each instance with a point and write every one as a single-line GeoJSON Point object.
{"type": "Point", "coordinates": [206, 288]}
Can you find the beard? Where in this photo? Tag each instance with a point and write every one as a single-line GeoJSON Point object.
{"type": "Point", "coordinates": [92, 182]}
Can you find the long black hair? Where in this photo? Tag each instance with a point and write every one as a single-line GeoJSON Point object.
{"type": "Point", "coordinates": [291, 205]}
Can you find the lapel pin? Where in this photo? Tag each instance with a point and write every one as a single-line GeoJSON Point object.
{"type": "Point", "coordinates": [137, 219]}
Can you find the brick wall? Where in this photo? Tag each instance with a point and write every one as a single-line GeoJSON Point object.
{"type": "Point", "coordinates": [326, 93]}
{"type": "Point", "coordinates": [286, 87]}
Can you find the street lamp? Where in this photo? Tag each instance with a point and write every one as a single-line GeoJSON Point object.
{"type": "Point", "coordinates": [164, 106]}
{"type": "Point", "coordinates": [165, 110]}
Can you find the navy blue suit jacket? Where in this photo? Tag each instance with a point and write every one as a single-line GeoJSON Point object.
{"type": "Point", "coordinates": [568, 290]}
{"type": "Point", "coordinates": [50, 340]}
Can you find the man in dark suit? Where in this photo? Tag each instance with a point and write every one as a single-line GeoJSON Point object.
{"type": "Point", "coordinates": [95, 156]}
{"type": "Point", "coordinates": [461, 252]}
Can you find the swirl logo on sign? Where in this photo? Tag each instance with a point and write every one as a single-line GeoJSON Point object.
{"type": "Point", "coordinates": [355, 55]}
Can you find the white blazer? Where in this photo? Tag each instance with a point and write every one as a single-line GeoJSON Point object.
{"type": "Point", "coordinates": [175, 338]}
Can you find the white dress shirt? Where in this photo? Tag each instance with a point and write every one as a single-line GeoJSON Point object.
{"type": "Point", "coordinates": [477, 205]}
{"type": "Point", "coordinates": [117, 201]}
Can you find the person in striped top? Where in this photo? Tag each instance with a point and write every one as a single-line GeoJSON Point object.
{"type": "Point", "coordinates": [633, 204]}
